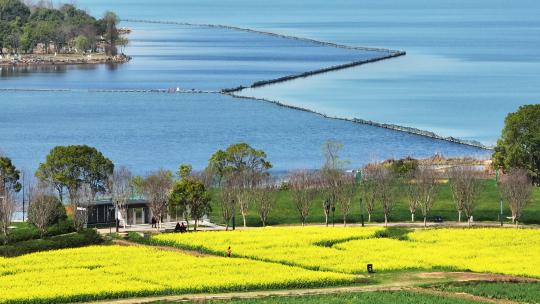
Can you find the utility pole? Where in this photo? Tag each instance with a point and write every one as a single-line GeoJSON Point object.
{"type": "Point", "coordinates": [501, 213]}
{"type": "Point", "coordinates": [23, 195]}
{"type": "Point", "coordinates": [358, 180]}
{"type": "Point", "coordinates": [234, 216]}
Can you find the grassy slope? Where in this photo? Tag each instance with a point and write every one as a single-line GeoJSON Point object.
{"type": "Point", "coordinates": [521, 292]}
{"type": "Point", "coordinates": [356, 298]}
{"type": "Point", "coordinates": [487, 209]}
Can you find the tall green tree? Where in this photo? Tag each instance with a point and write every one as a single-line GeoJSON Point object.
{"type": "Point", "coordinates": [190, 195]}
{"type": "Point", "coordinates": [10, 10]}
{"type": "Point", "coordinates": [69, 167]}
{"type": "Point", "coordinates": [110, 21]}
{"type": "Point", "coordinates": [9, 176]}
{"type": "Point", "coordinates": [519, 145]}
{"type": "Point", "coordinates": [238, 158]}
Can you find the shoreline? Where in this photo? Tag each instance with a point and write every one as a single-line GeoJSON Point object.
{"type": "Point", "coordinates": [40, 60]}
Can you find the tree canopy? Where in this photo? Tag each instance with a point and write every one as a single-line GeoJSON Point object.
{"type": "Point", "coordinates": [189, 195]}
{"type": "Point", "coordinates": [69, 167]}
{"type": "Point", "coordinates": [238, 158]}
{"type": "Point", "coordinates": [519, 145]}
{"type": "Point", "coordinates": [22, 28]}
{"type": "Point", "coordinates": [9, 175]}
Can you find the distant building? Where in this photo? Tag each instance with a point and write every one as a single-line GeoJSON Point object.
{"type": "Point", "coordinates": [103, 212]}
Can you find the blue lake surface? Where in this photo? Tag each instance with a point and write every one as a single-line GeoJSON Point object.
{"type": "Point", "coordinates": [152, 130]}
{"type": "Point", "coordinates": [189, 57]}
{"type": "Point", "coordinates": [468, 64]}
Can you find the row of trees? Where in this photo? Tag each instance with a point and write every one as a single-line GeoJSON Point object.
{"type": "Point", "coordinates": [238, 180]}
{"type": "Point", "coordinates": [23, 27]}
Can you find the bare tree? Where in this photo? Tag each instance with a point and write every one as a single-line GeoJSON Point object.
{"type": "Point", "coordinates": [156, 188]}
{"type": "Point", "coordinates": [466, 185]}
{"type": "Point", "coordinates": [243, 198]}
{"type": "Point", "coordinates": [368, 189]}
{"type": "Point", "coordinates": [265, 198]}
{"type": "Point", "coordinates": [44, 209]}
{"type": "Point", "coordinates": [227, 204]}
{"type": "Point", "coordinates": [385, 190]}
{"type": "Point", "coordinates": [411, 191]}
{"type": "Point", "coordinates": [346, 195]}
{"type": "Point", "coordinates": [426, 187]}
{"type": "Point", "coordinates": [7, 209]}
{"type": "Point", "coordinates": [82, 202]}
{"type": "Point", "coordinates": [332, 176]}
{"type": "Point", "coordinates": [304, 187]}
{"type": "Point", "coordinates": [121, 190]}
{"type": "Point", "coordinates": [516, 188]}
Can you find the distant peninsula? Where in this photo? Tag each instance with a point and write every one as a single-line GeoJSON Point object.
{"type": "Point", "coordinates": [40, 34]}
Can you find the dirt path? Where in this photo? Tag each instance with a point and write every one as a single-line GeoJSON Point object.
{"type": "Point", "coordinates": [460, 295]}
{"type": "Point", "coordinates": [255, 294]}
{"type": "Point", "coordinates": [166, 248]}
{"type": "Point", "coordinates": [404, 281]}
{"type": "Point", "coordinates": [393, 282]}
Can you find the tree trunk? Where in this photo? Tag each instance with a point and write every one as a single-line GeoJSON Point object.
{"type": "Point", "coordinates": [326, 219]}
{"type": "Point", "coordinates": [344, 221]}
{"type": "Point", "coordinates": [187, 221]}
{"type": "Point", "coordinates": [244, 219]}
{"type": "Point", "coordinates": [412, 217]}
{"type": "Point", "coordinates": [425, 221]}
{"type": "Point", "coordinates": [459, 216]}
{"type": "Point", "coordinates": [385, 220]}
{"type": "Point", "coordinates": [469, 221]}
{"type": "Point", "coordinates": [196, 224]}
{"type": "Point", "coordinates": [369, 218]}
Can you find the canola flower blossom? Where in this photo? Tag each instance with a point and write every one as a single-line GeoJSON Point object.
{"type": "Point", "coordinates": [348, 250]}
{"type": "Point", "coordinates": [308, 247]}
{"type": "Point", "coordinates": [107, 272]}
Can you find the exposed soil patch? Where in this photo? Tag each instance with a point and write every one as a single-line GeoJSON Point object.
{"type": "Point", "coordinates": [166, 248]}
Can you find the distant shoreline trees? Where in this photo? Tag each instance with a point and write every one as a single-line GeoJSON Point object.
{"type": "Point", "coordinates": [41, 28]}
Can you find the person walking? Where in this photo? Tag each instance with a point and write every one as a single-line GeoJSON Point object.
{"type": "Point", "coordinates": [229, 251]}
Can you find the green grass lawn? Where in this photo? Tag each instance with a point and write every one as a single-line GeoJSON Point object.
{"type": "Point", "coordinates": [520, 292]}
{"type": "Point", "coordinates": [401, 297]}
{"type": "Point", "coordinates": [487, 209]}
{"type": "Point", "coordinates": [24, 231]}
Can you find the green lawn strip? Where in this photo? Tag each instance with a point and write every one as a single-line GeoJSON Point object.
{"type": "Point", "coordinates": [380, 297]}
{"type": "Point", "coordinates": [487, 209]}
{"type": "Point", "coordinates": [24, 231]}
{"type": "Point", "coordinates": [71, 240]}
{"type": "Point", "coordinates": [527, 292]}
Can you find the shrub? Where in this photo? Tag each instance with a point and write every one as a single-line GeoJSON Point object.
{"type": "Point", "coordinates": [83, 238]}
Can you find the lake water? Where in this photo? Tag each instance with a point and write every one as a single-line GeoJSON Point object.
{"type": "Point", "coordinates": [153, 130]}
{"type": "Point", "coordinates": [468, 63]}
{"type": "Point", "coordinates": [189, 57]}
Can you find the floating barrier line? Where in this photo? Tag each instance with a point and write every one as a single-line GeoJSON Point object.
{"type": "Point", "coordinates": [394, 127]}
{"type": "Point", "coordinates": [248, 30]}
{"type": "Point", "coordinates": [389, 53]}
{"type": "Point", "coordinates": [231, 91]}
{"type": "Point", "coordinates": [404, 129]}
{"type": "Point", "coordinates": [111, 91]}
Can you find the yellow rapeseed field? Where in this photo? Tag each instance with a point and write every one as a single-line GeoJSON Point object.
{"type": "Point", "coordinates": [348, 250]}
{"type": "Point", "coordinates": [309, 247]}
{"type": "Point", "coordinates": [100, 272]}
